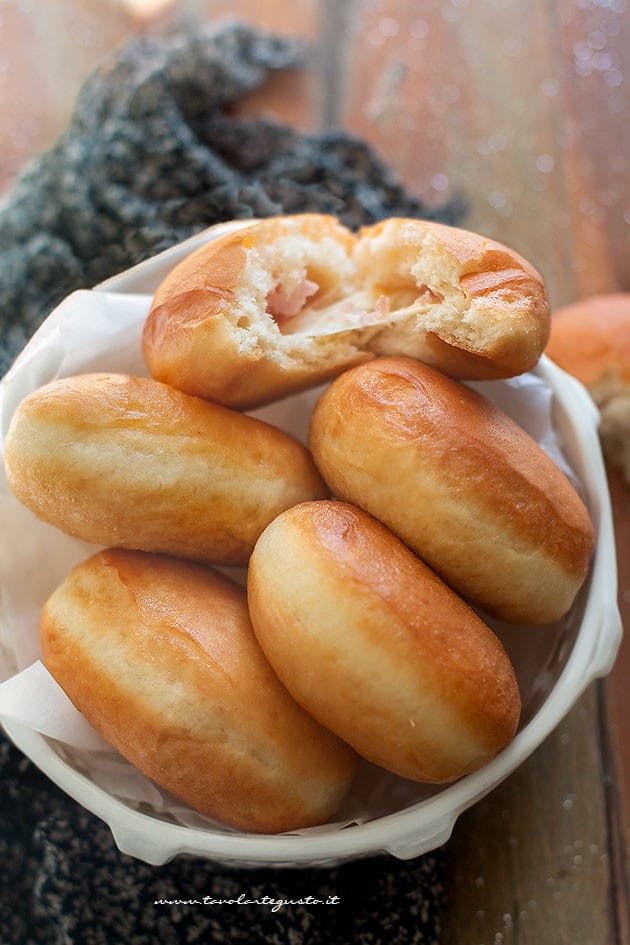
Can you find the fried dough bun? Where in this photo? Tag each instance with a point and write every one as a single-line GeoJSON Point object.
{"type": "Point", "coordinates": [591, 340]}
{"type": "Point", "coordinates": [290, 302]}
{"type": "Point", "coordinates": [462, 484]}
{"type": "Point", "coordinates": [159, 655]}
{"type": "Point", "coordinates": [376, 647]}
{"type": "Point", "coordinates": [130, 462]}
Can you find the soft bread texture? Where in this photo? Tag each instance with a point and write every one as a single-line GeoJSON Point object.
{"type": "Point", "coordinates": [465, 487]}
{"type": "Point", "coordinates": [130, 462]}
{"type": "Point", "coordinates": [159, 655]}
{"type": "Point", "coordinates": [591, 340]}
{"type": "Point", "coordinates": [463, 303]}
{"type": "Point", "coordinates": [209, 332]}
{"type": "Point", "coordinates": [376, 647]}
{"type": "Point", "coordinates": [290, 302]}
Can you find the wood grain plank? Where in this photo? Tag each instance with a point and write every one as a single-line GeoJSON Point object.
{"type": "Point", "coordinates": [478, 101]}
{"type": "Point", "coordinates": [616, 710]}
{"type": "Point", "coordinates": [46, 51]}
{"type": "Point", "coordinates": [617, 814]}
{"type": "Point", "coordinates": [453, 100]}
{"type": "Point", "coordinates": [530, 864]}
{"type": "Point", "coordinates": [595, 52]}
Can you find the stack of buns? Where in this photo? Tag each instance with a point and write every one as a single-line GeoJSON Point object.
{"type": "Point", "coordinates": [417, 501]}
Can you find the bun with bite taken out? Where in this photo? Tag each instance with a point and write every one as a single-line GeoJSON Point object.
{"type": "Point", "coordinates": [290, 302]}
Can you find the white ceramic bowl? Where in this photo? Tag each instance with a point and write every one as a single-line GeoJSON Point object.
{"type": "Point", "coordinates": [554, 665]}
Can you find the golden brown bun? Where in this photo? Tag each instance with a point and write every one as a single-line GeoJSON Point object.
{"type": "Point", "coordinates": [290, 302]}
{"type": "Point", "coordinates": [376, 647]}
{"type": "Point", "coordinates": [464, 486]}
{"type": "Point", "coordinates": [591, 340]}
{"type": "Point", "coordinates": [159, 655]}
{"type": "Point", "coordinates": [129, 462]}
{"type": "Point", "coordinates": [208, 332]}
{"type": "Point", "coordinates": [484, 314]}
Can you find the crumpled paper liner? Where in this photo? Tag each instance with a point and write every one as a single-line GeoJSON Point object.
{"type": "Point", "coordinates": [101, 331]}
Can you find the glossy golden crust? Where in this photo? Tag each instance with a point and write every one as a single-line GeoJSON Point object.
{"type": "Point", "coordinates": [450, 297]}
{"type": "Point", "coordinates": [199, 338]}
{"type": "Point", "coordinates": [464, 486]}
{"type": "Point", "coordinates": [130, 462]}
{"type": "Point", "coordinates": [591, 339]}
{"type": "Point", "coordinates": [159, 655]}
{"type": "Point", "coordinates": [493, 318]}
{"type": "Point", "coordinates": [375, 646]}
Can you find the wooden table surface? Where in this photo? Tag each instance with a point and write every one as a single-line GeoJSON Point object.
{"type": "Point", "coordinates": [523, 111]}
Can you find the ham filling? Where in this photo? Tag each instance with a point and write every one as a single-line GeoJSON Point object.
{"type": "Point", "coordinates": [292, 313]}
{"type": "Point", "coordinates": [283, 305]}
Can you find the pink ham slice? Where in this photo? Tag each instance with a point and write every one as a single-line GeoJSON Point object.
{"type": "Point", "coordinates": [282, 305]}
{"type": "Point", "coordinates": [285, 305]}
